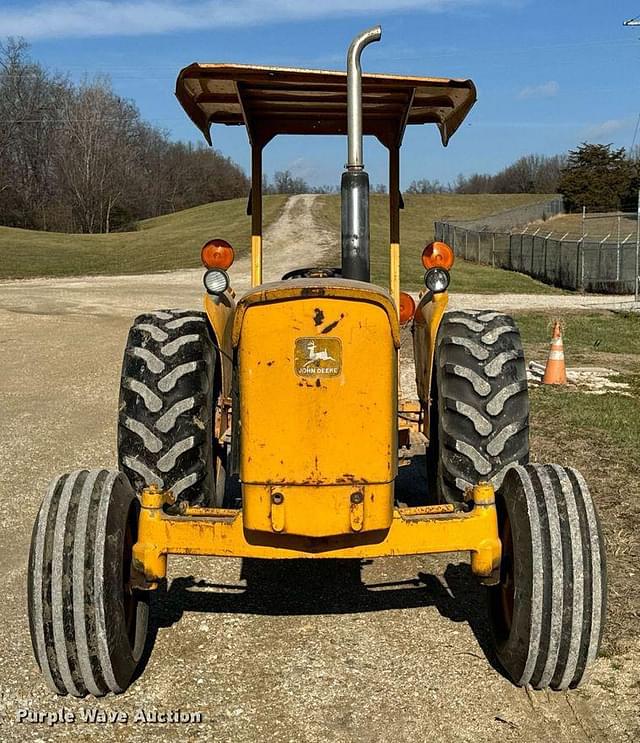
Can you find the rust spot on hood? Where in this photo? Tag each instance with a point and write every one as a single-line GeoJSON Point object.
{"type": "Point", "coordinates": [312, 291]}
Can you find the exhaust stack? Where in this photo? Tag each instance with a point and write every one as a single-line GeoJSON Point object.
{"type": "Point", "coordinates": [354, 188]}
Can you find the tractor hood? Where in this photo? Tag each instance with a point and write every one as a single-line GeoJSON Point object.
{"type": "Point", "coordinates": [344, 289]}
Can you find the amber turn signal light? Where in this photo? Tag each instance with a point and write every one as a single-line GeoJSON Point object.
{"type": "Point", "coordinates": [437, 255]}
{"type": "Point", "coordinates": [217, 254]}
{"type": "Point", "coordinates": [407, 308]}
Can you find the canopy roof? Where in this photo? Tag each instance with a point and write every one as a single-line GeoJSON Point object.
{"type": "Point", "coordinates": [281, 100]}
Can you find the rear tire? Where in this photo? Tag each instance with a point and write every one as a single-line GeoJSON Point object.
{"type": "Point", "coordinates": [88, 627]}
{"type": "Point", "coordinates": [168, 392]}
{"type": "Point", "coordinates": [547, 614]}
{"type": "Point", "coordinates": [480, 404]}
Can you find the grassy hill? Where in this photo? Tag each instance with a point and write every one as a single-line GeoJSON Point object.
{"type": "Point", "coordinates": [597, 227]}
{"type": "Point", "coordinates": [163, 243]}
{"type": "Point", "coordinates": [416, 230]}
{"type": "Point", "coordinates": [174, 241]}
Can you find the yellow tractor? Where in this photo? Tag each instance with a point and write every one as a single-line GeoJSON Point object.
{"type": "Point", "coordinates": [292, 393]}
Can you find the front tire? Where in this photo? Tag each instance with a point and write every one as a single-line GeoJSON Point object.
{"type": "Point", "coordinates": [88, 626]}
{"type": "Point", "coordinates": [547, 614]}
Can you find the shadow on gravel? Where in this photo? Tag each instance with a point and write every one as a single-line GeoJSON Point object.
{"type": "Point", "coordinates": [312, 587]}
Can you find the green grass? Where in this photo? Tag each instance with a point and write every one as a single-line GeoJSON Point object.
{"type": "Point", "coordinates": [600, 436]}
{"type": "Point", "coordinates": [416, 226]}
{"type": "Point", "coordinates": [160, 244]}
{"type": "Point", "coordinates": [597, 333]}
{"type": "Point", "coordinates": [612, 418]}
{"type": "Point", "coordinates": [595, 227]}
{"type": "Point", "coordinates": [590, 339]}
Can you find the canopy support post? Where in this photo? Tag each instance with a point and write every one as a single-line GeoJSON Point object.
{"type": "Point", "coordinates": [256, 214]}
{"type": "Point", "coordinates": [394, 223]}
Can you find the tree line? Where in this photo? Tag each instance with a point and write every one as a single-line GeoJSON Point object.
{"type": "Point", "coordinates": [529, 174]}
{"type": "Point", "coordinates": [596, 176]}
{"type": "Point", "coordinates": [79, 158]}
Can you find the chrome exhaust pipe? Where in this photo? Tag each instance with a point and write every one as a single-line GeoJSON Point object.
{"type": "Point", "coordinates": [355, 180]}
{"type": "Point", "coordinates": [354, 95]}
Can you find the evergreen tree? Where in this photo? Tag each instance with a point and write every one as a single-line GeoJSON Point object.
{"type": "Point", "coordinates": [598, 177]}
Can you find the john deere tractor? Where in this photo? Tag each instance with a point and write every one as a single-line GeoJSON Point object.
{"type": "Point", "coordinates": [292, 391]}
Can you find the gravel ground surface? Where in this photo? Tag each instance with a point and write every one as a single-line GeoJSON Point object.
{"type": "Point", "coordinates": [394, 649]}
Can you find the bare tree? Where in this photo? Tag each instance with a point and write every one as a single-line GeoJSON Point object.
{"type": "Point", "coordinates": [529, 174]}
{"type": "Point", "coordinates": [100, 151]}
{"type": "Point", "coordinates": [80, 158]}
{"type": "Point", "coordinates": [29, 104]}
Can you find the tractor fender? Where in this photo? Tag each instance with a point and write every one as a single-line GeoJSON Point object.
{"type": "Point", "coordinates": [220, 314]}
{"type": "Point", "coordinates": [426, 323]}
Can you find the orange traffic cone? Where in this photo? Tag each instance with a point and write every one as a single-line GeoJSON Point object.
{"type": "Point", "coordinates": [555, 371]}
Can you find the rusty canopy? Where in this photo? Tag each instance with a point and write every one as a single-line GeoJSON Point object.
{"type": "Point", "coordinates": [279, 100]}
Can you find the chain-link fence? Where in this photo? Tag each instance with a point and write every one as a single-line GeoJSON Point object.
{"type": "Point", "coordinates": [581, 263]}
{"type": "Point", "coordinates": [519, 216]}
{"type": "Point", "coordinates": [570, 264]}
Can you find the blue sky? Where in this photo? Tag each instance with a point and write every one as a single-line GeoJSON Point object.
{"type": "Point", "coordinates": [549, 74]}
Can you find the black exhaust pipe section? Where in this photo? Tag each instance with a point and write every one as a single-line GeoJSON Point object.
{"type": "Point", "coordinates": [354, 188]}
{"type": "Point", "coordinates": [354, 191]}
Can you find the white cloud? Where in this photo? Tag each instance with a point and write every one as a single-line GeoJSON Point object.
{"type": "Point", "coordinates": [85, 18]}
{"type": "Point", "coordinates": [544, 90]}
{"type": "Point", "coordinates": [606, 128]}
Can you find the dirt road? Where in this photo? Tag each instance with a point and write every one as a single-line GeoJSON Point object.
{"type": "Point", "coordinates": [285, 244]}
{"type": "Point", "coordinates": [394, 650]}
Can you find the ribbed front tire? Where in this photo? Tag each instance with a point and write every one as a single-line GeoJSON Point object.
{"type": "Point", "coordinates": [547, 614]}
{"type": "Point", "coordinates": [88, 626]}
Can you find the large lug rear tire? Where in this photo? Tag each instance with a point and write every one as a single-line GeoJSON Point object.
{"type": "Point", "coordinates": [88, 626]}
{"type": "Point", "coordinates": [547, 614]}
{"type": "Point", "coordinates": [169, 388]}
{"type": "Point", "coordinates": [480, 405]}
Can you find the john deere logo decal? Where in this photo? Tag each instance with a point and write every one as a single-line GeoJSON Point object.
{"type": "Point", "coordinates": [318, 356]}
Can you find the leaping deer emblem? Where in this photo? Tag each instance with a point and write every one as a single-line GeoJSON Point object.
{"type": "Point", "coordinates": [314, 355]}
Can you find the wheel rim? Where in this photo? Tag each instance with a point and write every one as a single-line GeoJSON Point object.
{"type": "Point", "coordinates": [507, 580]}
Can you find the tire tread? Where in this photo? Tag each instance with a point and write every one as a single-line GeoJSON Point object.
{"type": "Point", "coordinates": [561, 600]}
{"type": "Point", "coordinates": [165, 429]}
{"type": "Point", "coordinates": [483, 415]}
{"type": "Point", "coordinates": [77, 638]}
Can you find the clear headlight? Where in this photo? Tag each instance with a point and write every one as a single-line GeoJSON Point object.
{"type": "Point", "coordinates": [437, 280]}
{"type": "Point", "coordinates": [216, 281]}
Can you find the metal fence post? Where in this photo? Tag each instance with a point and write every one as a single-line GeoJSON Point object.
{"type": "Point", "coordinates": [600, 248]}
{"type": "Point", "coordinates": [559, 272]}
{"type": "Point", "coordinates": [493, 249]}
{"type": "Point", "coordinates": [533, 250]}
{"type": "Point", "coordinates": [579, 249]}
{"type": "Point", "coordinates": [618, 255]}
